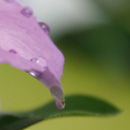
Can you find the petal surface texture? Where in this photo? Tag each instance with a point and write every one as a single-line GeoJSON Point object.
{"type": "Point", "coordinates": [24, 45]}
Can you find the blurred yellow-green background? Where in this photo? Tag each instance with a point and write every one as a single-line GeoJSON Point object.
{"type": "Point", "coordinates": [94, 36]}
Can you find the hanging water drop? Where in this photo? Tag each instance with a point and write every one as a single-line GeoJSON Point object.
{"type": "Point", "coordinates": [45, 27]}
{"type": "Point", "coordinates": [32, 73]}
{"type": "Point", "coordinates": [27, 12]}
{"type": "Point", "coordinates": [35, 74]}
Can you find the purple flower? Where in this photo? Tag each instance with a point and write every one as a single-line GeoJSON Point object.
{"type": "Point", "coordinates": [25, 44]}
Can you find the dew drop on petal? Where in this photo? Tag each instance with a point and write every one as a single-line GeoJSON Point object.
{"type": "Point", "coordinates": [27, 12]}
{"type": "Point", "coordinates": [35, 73]}
{"type": "Point", "coordinates": [32, 73]}
{"type": "Point", "coordinates": [9, 0]}
{"type": "Point", "coordinates": [45, 27]}
{"type": "Point", "coordinates": [13, 51]}
{"type": "Point", "coordinates": [39, 60]}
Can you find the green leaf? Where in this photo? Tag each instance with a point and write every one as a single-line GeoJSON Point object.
{"type": "Point", "coordinates": [76, 105]}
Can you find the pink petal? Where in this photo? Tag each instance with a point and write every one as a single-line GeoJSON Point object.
{"type": "Point", "coordinates": [19, 62]}
{"type": "Point", "coordinates": [24, 45]}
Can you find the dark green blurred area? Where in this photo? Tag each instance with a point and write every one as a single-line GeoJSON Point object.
{"type": "Point", "coordinates": [107, 44]}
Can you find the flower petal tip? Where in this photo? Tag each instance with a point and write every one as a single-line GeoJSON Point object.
{"type": "Point", "coordinates": [60, 105]}
{"type": "Point", "coordinates": [58, 94]}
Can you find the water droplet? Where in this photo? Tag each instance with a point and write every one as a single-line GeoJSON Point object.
{"type": "Point", "coordinates": [9, 0]}
{"type": "Point", "coordinates": [27, 12]}
{"type": "Point", "coordinates": [13, 51]}
{"type": "Point", "coordinates": [45, 27]}
{"type": "Point", "coordinates": [35, 74]}
{"type": "Point", "coordinates": [39, 60]}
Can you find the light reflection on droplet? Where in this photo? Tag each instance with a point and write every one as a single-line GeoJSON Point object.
{"type": "Point", "coordinates": [35, 74]}
{"type": "Point", "coordinates": [27, 12]}
{"type": "Point", "coordinates": [32, 73]}
{"type": "Point", "coordinates": [39, 60]}
{"type": "Point", "coordinates": [45, 27]}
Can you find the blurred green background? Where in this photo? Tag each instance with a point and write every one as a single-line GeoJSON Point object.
{"type": "Point", "coordinates": [97, 63]}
